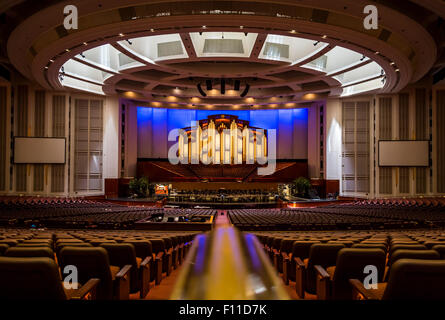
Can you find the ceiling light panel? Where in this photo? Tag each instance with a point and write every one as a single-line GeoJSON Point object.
{"type": "Point", "coordinates": [154, 48]}
{"type": "Point", "coordinates": [289, 49]}
{"type": "Point", "coordinates": [223, 44]}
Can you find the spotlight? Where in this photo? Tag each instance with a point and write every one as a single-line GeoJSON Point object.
{"type": "Point", "coordinates": [315, 43]}
{"type": "Point", "coordinates": [236, 85]}
{"type": "Point", "coordinates": [209, 85]}
{"type": "Point", "coordinates": [200, 33]}
{"type": "Point", "coordinates": [82, 55]}
{"type": "Point", "coordinates": [363, 58]}
{"type": "Point", "coordinates": [245, 91]}
{"type": "Point", "coordinates": [200, 90]}
{"type": "Point", "coordinates": [223, 86]}
{"type": "Point", "coordinates": [245, 33]}
{"type": "Point", "coordinates": [129, 42]}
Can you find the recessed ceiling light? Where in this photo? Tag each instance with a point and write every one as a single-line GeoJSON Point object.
{"type": "Point", "coordinates": [152, 30]}
{"type": "Point", "coordinates": [67, 50]}
{"type": "Point", "coordinates": [121, 34]}
{"type": "Point", "coordinates": [85, 44]}
{"type": "Point", "coordinates": [241, 27]}
{"type": "Point", "coordinates": [397, 70]}
{"type": "Point", "coordinates": [293, 31]}
{"type": "Point", "coordinates": [324, 36]}
{"type": "Point", "coordinates": [204, 27]}
{"type": "Point", "coordinates": [377, 52]}
{"type": "Point", "coordinates": [46, 67]}
{"type": "Point", "coordinates": [392, 63]}
{"type": "Point", "coordinates": [51, 60]}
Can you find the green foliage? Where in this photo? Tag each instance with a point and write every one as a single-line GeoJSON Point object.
{"type": "Point", "coordinates": [134, 186]}
{"type": "Point", "coordinates": [140, 187]}
{"type": "Point", "coordinates": [301, 187]}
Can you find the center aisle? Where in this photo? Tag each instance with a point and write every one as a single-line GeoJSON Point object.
{"type": "Point", "coordinates": [222, 219]}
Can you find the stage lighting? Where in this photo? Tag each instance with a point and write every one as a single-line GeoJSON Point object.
{"type": "Point", "coordinates": [246, 90]}
{"type": "Point", "coordinates": [209, 85]}
{"type": "Point", "coordinates": [315, 43]}
{"type": "Point", "coordinates": [200, 90]}
{"type": "Point", "coordinates": [363, 58]}
{"type": "Point", "coordinates": [223, 86]}
{"type": "Point", "coordinates": [236, 85]}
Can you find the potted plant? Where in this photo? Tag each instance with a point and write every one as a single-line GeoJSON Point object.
{"type": "Point", "coordinates": [301, 187]}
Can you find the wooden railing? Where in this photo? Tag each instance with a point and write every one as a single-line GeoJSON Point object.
{"type": "Point", "coordinates": [226, 264]}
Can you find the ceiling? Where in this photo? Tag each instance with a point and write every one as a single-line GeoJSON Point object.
{"type": "Point", "coordinates": [284, 71]}
{"type": "Point", "coordinates": [157, 53]}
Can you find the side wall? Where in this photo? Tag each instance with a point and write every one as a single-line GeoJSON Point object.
{"type": "Point", "coordinates": [89, 123]}
{"type": "Point", "coordinates": [416, 113]}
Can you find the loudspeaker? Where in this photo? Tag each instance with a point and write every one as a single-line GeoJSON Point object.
{"type": "Point", "coordinates": [223, 86]}
{"type": "Point", "coordinates": [236, 85]}
{"type": "Point", "coordinates": [246, 90]}
{"type": "Point", "coordinates": [209, 85]}
{"type": "Point", "coordinates": [200, 90]}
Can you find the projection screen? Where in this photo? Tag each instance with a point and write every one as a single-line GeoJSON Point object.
{"type": "Point", "coordinates": [39, 150]}
{"type": "Point", "coordinates": [404, 153]}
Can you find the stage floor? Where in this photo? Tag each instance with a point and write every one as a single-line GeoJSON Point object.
{"type": "Point", "coordinates": [303, 203]}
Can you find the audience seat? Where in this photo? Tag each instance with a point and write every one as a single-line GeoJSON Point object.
{"type": "Point", "coordinates": [3, 248]}
{"type": "Point", "coordinates": [33, 252]}
{"type": "Point", "coordinates": [322, 254]}
{"type": "Point", "coordinates": [123, 254]}
{"type": "Point", "coordinates": [410, 254]}
{"type": "Point", "coordinates": [410, 279]}
{"type": "Point", "coordinates": [333, 283]}
{"type": "Point", "coordinates": [440, 249]}
{"type": "Point", "coordinates": [162, 259]}
{"type": "Point", "coordinates": [38, 279]}
{"type": "Point", "coordinates": [300, 252]}
{"type": "Point", "coordinates": [95, 263]}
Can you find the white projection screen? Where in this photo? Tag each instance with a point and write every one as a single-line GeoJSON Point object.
{"type": "Point", "coordinates": [39, 150]}
{"type": "Point", "coordinates": [404, 153]}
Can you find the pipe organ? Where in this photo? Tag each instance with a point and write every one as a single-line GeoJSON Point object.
{"type": "Point", "coordinates": [222, 139]}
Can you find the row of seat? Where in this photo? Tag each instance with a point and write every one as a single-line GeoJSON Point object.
{"type": "Point", "coordinates": [332, 265]}
{"type": "Point", "coordinates": [80, 213]}
{"type": "Point", "coordinates": [112, 264]}
{"type": "Point", "coordinates": [357, 215]}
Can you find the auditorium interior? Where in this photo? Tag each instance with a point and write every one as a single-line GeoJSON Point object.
{"type": "Point", "coordinates": [222, 150]}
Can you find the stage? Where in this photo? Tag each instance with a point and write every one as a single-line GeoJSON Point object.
{"type": "Point", "coordinates": [224, 205]}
